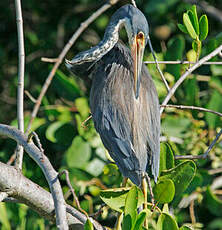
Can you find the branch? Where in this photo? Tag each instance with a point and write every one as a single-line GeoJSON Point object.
{"type": "Point", "coordinates": [183, 62]}
{"type": "Point", "coordinates": [20, 89]}
{"type": "Point", "coordinates": [192, 108]}
{"type": "Point", "coordinates": [157, 65]}
{"type": "Point", "coordinates": [203, 156]}
{"type": "Point", "coordinates": [25, 191]}
{"type": "Point", "coordinates": [134, 3]}
{"type": "Point", "coordinates": [48, 170]}
{"type": "Point", "coordinates": [74, 37]}
{"type": "Point", "coordinates": [72, 191]}
{"type": "Point", "coordinates": [189, 71]}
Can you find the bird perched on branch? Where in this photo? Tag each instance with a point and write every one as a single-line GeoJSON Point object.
{"type": "Point", "coordinates": [123, 99]}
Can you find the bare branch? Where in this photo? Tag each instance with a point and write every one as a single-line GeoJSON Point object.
{"type": "Point", "coordinates": [34, 134]}
{"type": "Point", "coordinates": [203, 156]}
{"type": "Point", "coordinates": [183, 62]}
{"type": "Point", "coordinates": [74, 37]}
{"type": "Point", "coordinates": [192, 108]}
{"type": "Point", "coordinates": [25, 191]}
{"type": "Point", "coordinates": [189, 71]}
{"type": "Point", "coordinates": [21, 72]}
{"type": "Point", "coordinates": [30, 96]}
{"type": "Point", "coordinates": [157, 65]}
{"type": "Point", "coordinates": [48, 170]}
{"type": "Point", "coordinates": [192, 213]}
{"type": "Point", "coordinates": [72, 191]}
{"type": "Point", "coordinates": [50, 60]}
{"type": "Point", "coordinates": [134, 3]}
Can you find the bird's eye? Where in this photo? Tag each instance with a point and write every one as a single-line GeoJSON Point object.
{"type": "Point", "coordinates": [140, 35]}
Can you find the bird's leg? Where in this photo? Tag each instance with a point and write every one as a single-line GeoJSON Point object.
{"type": "Point", "coordinates": [120, 215]}
{"type": "Point", "coordinates": [151, 190]}
{"type": "Point", "coordinates": [124, 182]}
{"type": "Point", "coordinates": [144, 189]}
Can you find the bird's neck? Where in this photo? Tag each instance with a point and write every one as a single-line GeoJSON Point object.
{"type": "Point", "coordinates": [111, 37]}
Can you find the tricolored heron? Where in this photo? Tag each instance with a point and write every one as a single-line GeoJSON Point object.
{"type": "Point", "coordinates": [123, 99]}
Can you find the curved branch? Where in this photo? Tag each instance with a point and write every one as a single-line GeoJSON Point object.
{"type": "Point", "coordinates": [23, 190]}
{"type": "Point", "coordinates": [74, 37]}
{"type": "Point", "coordinates": [48, 170]}
{"type": "Point", "coordinates": [189, 71]}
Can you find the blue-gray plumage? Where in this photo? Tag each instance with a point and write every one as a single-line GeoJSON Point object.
{"type": "Point", "coordinates": [123, 99]}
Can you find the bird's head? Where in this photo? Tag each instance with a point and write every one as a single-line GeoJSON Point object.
{"type": "Point", "coordinates": [138, 34]}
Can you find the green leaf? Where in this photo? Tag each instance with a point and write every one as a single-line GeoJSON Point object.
{"type": "Point", "coordinates": [95, 167]}
{"type": "Point", "coordinates": [203, 27]}
{"type": "Point", "coordinates": [192, 91]}
{"type": "Point", "coordinates": [140, 220]}
{"type": "Point", "coordinates": [166, 222]}
{"type": "Point", "coordinates": [130, 209]}
{"type": "Point", "coordinates": [175, 127]}
{"type": "Point", "coordinates": [195, 45]}
{"type": "Point", "coordinates": [216, 223]}
{"type": "Point", "coordinates": [166, 157]}
{"type": "Point", "coordinates": [194, 19]}
{"type": "Point", "coordinates": [115, 198]}
{"type": "Point", "coordinates": [182, 28]}
{"type": "Point", "coordinates": [3, 217]}
{"type": "Point", "coordinates": [189, 26]}
{"type": "Point", "coordinates": [88, 225]}
{"type": "Point", "coordinates": [164, 191]}
{"type": "Point", "coordinates": [66, 87]}
{"type": "Point", "coordinates": [215, 104]}
{"type": "Point", "coordinates": [191, 17]}
{"type": "Point", "coordinates": [216, 70]}
{"type": "Point", "coordinates": [175, 49]}
{"type": "Point", "coordinates": [165, 208]}
{"type": "Point", "coordinates": [181, 175]}
{"type": "Point", "coordinates": [213, 203]}
{"type": "Point", "coordinates": [82, 106]}
{"type": "Point", "coordinates": [192, 55]}
{"type": "Point", "coordinates": [78, 153]}
{"type": "Point", "coordinates": [195, 183]}
{"type": "Point", "coordinates": [51, 130]}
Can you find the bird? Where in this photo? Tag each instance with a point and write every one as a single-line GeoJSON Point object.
{"type": "Point", "coordinates": [123, 99]}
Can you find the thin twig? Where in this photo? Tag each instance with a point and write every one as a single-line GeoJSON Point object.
{"type": "Point", "coordinates": [21, 72]}
{"type": "Point", "coordinates": [49, 172]}
{"type": "Point", "coordinates": [83, 123]}
{"type": "Point", "coordinates": [30, 96]}
{"type": "Point", "coordinates": [96, 214]}
{"type": "Point", "coordinates": [192, 214]}
{"type": "Point", "coordinates": [215, 171]}
{"type": "Point", "coordinates": [188, 72]}
{"type": "Point", "coordinates": [74, 37]}
{"type": "Point", "coordinates": [134, 3]}
{"type": "Point", "coordinates": [72, 191]}
{"type": "Point", "coordinates": [50, 60]}
{"type": "Point", "coordinates": [192, 108]}
{"type": "Point", "coordinates": [157, 65]}
{"type": "Point", "coordinates": [183, 62]}
{"type": "Point", "coordinates": [203, 156]}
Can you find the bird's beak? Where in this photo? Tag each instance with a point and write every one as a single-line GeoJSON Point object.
{"type": "Point", "coordinates": [137, 51]}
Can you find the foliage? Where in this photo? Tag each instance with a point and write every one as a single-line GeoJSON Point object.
{"type": "Point", "coordinates": [197, 30]}
{"type": "Point", "coordinates": [71, 143]}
